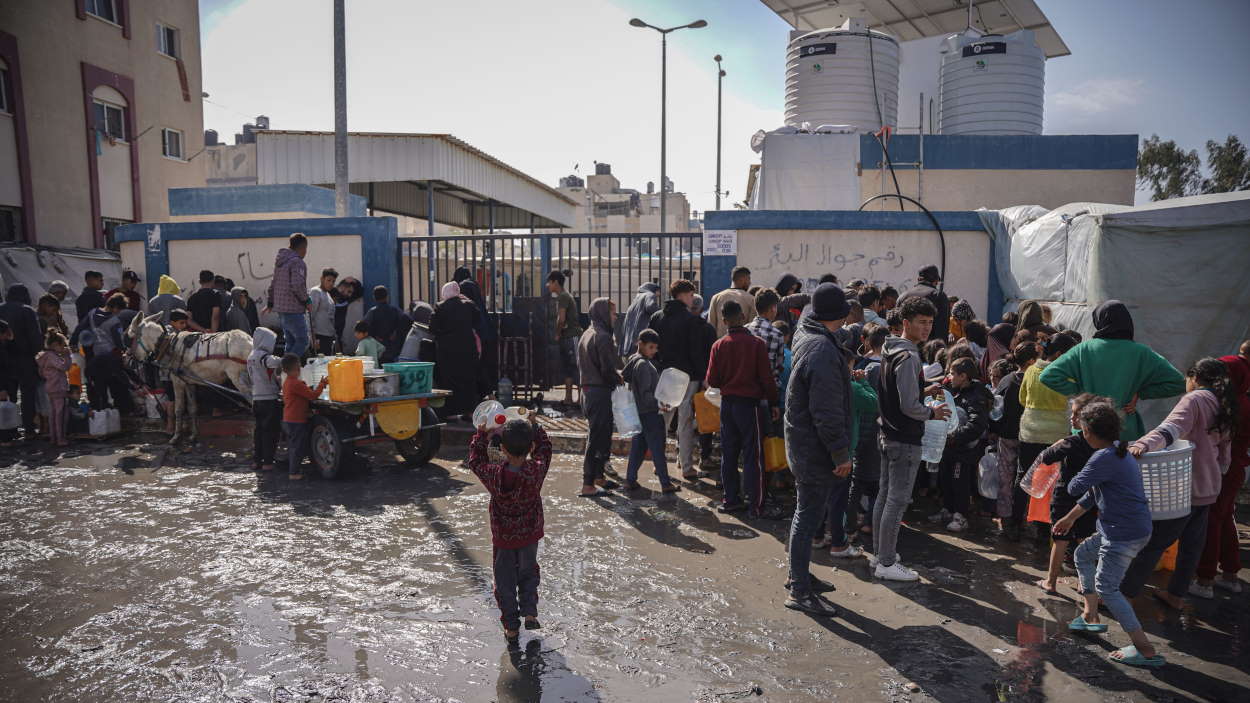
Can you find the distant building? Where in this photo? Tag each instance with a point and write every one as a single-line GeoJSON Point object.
{"type": "Point", "coordinates": [100, 113]}
{"type": "Point", "coordinates": [604, 206]}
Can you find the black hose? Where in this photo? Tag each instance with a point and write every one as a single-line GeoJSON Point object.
{"type": "Point", "coordinates": [938, 227]}
{"type": "Point", "coordinates": [876, 101]}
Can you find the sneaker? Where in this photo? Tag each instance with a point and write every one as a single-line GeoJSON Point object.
{"type": "Point", "coordinates": [767, 513]}
{"type": "Point", "coordinates": [850, 552]}
{"type": "Point", "coordinates": [1201, 590]}
{"type": "Point", "coordinates": [958, 523]}
{"type": "Point", "coordinates": [727, 508]}
{"type": "Point", "coordinates": [812, 604]}
{"type": "Point", "coordinates": [815, 584]}
{"type": "Point", "coordinates": [822, 542]}
{"type": "Point", "coordinates": [895, 572]}
{"type": "Point", "coordinates": [941, 517]}
{"type": "Point", "coordinates": [1233, 586]}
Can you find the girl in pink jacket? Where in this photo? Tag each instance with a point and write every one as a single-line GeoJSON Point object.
{"type": "Point", "coordinates": [54, 363]}
{"type": "Point", "coordinates": [1205, 416]}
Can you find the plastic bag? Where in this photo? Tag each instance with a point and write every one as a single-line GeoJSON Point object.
{"type": "Point", "coordinates": [987, 479]}
{"type": "Point", "coordinates": [775, 454]}
{"type": "Point", "coordinates": [1039, 508]}
{"type": "Point", "coordinates": [625, 412]}
{"type": "Point", "coordinates": [1039, 479]}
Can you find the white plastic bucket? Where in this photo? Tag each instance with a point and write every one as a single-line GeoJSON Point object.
{"type": "Point", "coordinates": [1166, 475]}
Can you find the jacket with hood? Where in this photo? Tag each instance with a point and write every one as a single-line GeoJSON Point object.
{"type": "Point", "coordinates": [819, 417]}
{"type": "Point", "coordinates": [975, 400]}
{"type": "Point", "coordinates": [1192, 419]}
{"type": "Point", "coordinates": [598, 363]}
{"type": "Point", "coordinates": [642, 378]}
{"type": "Point", "coordinates": [236, 317]}
{"type": "Point", "coordinates": [27, 338]}
{"type": "Point", "coordinates": [322, 313]}
{"type": "Point", "coordinates": [941, 321]}
{"type": "Point", "coordinates": [347, 313]}
{"type": "Point", "coordinates": [288, 291]}
{"type": "Point", "coordinates": [1032, 317]}
{"type": "Point", "coordinates": [167, 299]}
{"type": "Point", "coordinates": [1239, 379]}
{"type": "Point", "coordinates": [638, 315]}
{"type": "Point", "coordinates": [262, 365]}
{"type": "Point", "coordinates": [679, 338]}
{"type": "Point", "coordinates": [53, 367]}
{"type": "Point", "coordinates": [903, 412]}
{"type": "Point", "coordinates": [1113, 365]}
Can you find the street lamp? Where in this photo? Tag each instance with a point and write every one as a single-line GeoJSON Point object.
{"type": "Point", "coordinates": [635, 22]}
{"type": "Point", "coordinates": [720, 77]}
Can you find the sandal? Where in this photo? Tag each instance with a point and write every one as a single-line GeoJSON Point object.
{"type": "Point", "coordinates": [1078, 624]}
{"type": "Point", "coordinates": [1050, 591]}
{"type": "Point", "coordinates": [1129, 656]}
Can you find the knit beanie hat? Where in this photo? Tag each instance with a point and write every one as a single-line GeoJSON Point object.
{"type": "Point", "coordinates": [829, 303]}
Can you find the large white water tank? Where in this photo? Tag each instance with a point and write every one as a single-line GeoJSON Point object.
{"type": "Point", "coordinates": [991, 84]}
{"type": "Point", "coordinates": [830, 76]}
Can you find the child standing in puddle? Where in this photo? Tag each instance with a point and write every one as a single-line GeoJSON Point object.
{"type": "Point", "coordinates": [516, 516]}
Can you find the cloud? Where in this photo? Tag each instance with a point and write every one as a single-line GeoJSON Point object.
{"type": "Point", "coordinates": [1100, 95]}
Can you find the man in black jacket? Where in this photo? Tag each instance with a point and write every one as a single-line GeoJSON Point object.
{"type": "Point", "coordinates": [705, 333]}
{"type": "Point", "coordinates": [929, 286]}
{"type": "Point", "coordinates": [818, 437]}
{"type": "Point", "coordinates": [599, 367]}
{"type": "Point", "coordinates": [20, 357]}
{"type": "Point", "coordinates": [680, 344]}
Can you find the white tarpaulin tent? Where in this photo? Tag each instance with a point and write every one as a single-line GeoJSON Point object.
{"type": "Point", "coordinates": [1182, 267]}
{"type": "Point", "coordinates": [39, 266]}
{"type": "Point", "coordinates": [807, 170]}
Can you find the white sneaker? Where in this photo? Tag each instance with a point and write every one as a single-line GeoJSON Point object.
{"type": "Point", "coordinates": [850, 552]}
{"type": "Point", "coordinates": [1200, 590]}
{"type": "Point", "coordinates": [958, 523]}
{"type": "Point", "coordinates": [895, 572]}
{"type": "Point", "coordinates": [938, 518]}
{"type": "Point", "coordinates": [1233, 586]}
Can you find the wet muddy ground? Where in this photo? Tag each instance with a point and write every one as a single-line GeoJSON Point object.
{"type": "Point", "coordinates": [131, 573]}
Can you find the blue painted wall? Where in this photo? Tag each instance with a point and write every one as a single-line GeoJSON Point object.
{"type": "Point", "coordinates": [234, 200]}
{"type": "Point", "coordinates": [951, 151]}
{"type": "Point", "coordinates": [378, 237]}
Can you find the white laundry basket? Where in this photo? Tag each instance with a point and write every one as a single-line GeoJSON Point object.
{"type": "Point", "coordinates": [1166, 475]}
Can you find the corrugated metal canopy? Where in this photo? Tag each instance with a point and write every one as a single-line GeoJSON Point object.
{"type": "Point", "coordinates": [396, 171]}
{"type": "Point", "coordinates": [916, 19]}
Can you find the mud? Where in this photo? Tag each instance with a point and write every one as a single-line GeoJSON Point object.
{"type": "Point", "coordinates": [132, 573]}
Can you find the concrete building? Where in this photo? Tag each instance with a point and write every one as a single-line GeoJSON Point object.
{"type": "Point", "coordinates": [604, 206]}
{"type": "Point", "coordinates": [100, 113]}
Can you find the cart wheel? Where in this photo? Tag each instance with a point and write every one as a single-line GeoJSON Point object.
{"type": "Point", "coordinates": [420, 448]}
{"type": "Point", "coordinates": [326, 448]}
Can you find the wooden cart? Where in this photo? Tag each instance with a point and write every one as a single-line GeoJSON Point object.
{"type": "Point", "coordinates": [336, 428]}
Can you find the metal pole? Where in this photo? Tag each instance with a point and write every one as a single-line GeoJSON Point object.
{"type": "Point", "coordinates": [720, 77]}
{"type": "Point", "coordinates": [663, 127]}
{"type": "Point", "coordinates": [341, 194]}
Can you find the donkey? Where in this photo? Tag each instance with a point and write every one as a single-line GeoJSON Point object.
{"type": "Point", "coordinates": [191, 358]}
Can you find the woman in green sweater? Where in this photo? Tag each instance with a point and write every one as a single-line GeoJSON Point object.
{"type": "Point", "coordinates": [1113, 365]}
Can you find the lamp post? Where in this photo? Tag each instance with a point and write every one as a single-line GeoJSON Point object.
{"type": "Point", "coordinates": [720, 78]}
{"type": "Point", "coordinates": [635, 22]}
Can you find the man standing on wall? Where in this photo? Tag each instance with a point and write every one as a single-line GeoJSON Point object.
{"type": "Point", "coordinates": [322, 311]}
{"type": "Point", "coordinates": [929, 286]}
{"type": "Point", "coordinates": [288, 294]}
{"type": "Point", "coordinates": [738, 293]}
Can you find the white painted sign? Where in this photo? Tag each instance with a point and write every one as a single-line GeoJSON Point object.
{"type": "Point", "coordinates": [720, 242]}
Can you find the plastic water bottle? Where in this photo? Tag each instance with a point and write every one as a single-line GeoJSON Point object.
{"type": "Point", "coordinates": [933, 442]}
{"type": "Point", "coordinates": [996, 412]}
{"type": "Point", "coordinates": [487, 412]}
{"type": "Point", "coordinates": [504, 392]}
{"type": "Point", "coordinates": [670, 390]}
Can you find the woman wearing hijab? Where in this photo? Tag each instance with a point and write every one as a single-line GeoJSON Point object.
{"type": "Point", "coordinates": [1113, 365]}
{"type": "Point", "coordinates": [488, 370]}
{"type": "Point", "coordinates": [961, 314]}
{"type": "Point", "coordinates": [456, 358]}
{"type": "Point", "coordinates": [792, 299]}
{"type": "Point", "coordinates": [999, 345]}
{"type": "Point", "coordinates": [420, 313]}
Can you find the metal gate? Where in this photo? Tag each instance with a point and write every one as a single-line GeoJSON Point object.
{"type": "Point", "coordinates": [511, 270]}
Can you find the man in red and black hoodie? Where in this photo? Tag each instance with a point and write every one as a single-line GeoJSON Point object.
{"type": "Point", "coordinates": [739, 368]}
{"type": "Point", "coordinates": [516, 516]}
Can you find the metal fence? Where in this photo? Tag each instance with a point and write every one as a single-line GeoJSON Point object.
{"type": "Point", "coordinates": [511, 266]}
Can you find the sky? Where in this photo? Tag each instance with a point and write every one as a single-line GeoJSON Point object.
{"type": "Point", "coordinates": [551, 86]}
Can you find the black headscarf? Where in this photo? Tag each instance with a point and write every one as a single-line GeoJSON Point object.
{"type": "Point", "coordinates": [1002, 333]}
{"type": "Point", "coordinates": [461, 273]}
{"type": "Point", "coordinates": [787, 282]}
{"type": "Point", "coordinates": [421, 313]}
{"type": "Point", "coordinates": [1113, 321]}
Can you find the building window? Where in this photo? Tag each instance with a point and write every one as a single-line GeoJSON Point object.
{"type": "Point", "coordinates": [110, 225]}
{"type": "Point", "coordinates": [11, 224]}
{"type": "Point", "coordinates": [167, 40]}
{"type": "Point", "coordinates": [110, 120]}
{"type": "Point", "coordinates": [104, 9]}
{"type": "Point", "coordinates": [171, 143]}
{"type": "Point", "coordinates": [4, 91]}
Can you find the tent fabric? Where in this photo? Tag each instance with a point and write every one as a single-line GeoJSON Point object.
{"type": "Point", "coordinates": [1182, 266]}
{"type": "Point", "coordinates": [37, 267]}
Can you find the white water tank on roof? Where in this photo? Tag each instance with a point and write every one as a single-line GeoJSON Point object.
{"type": "Point", "coordinates": [991, 84]}
{"type": "Point", "coordinates": [830, 78]}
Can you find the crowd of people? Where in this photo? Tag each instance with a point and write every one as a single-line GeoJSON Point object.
{"type": "Point", "coordinates": [852, 379]}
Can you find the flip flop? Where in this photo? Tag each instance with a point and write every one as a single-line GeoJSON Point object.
{"type": "Point", "coordinates": [1049, 591]}
{"type": "Point", "coordinates": [597, 494]}
{"type": "Point", "coordinates": [1078, 624]}
{"type": "Point", "coordinates": [1129, 656]}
